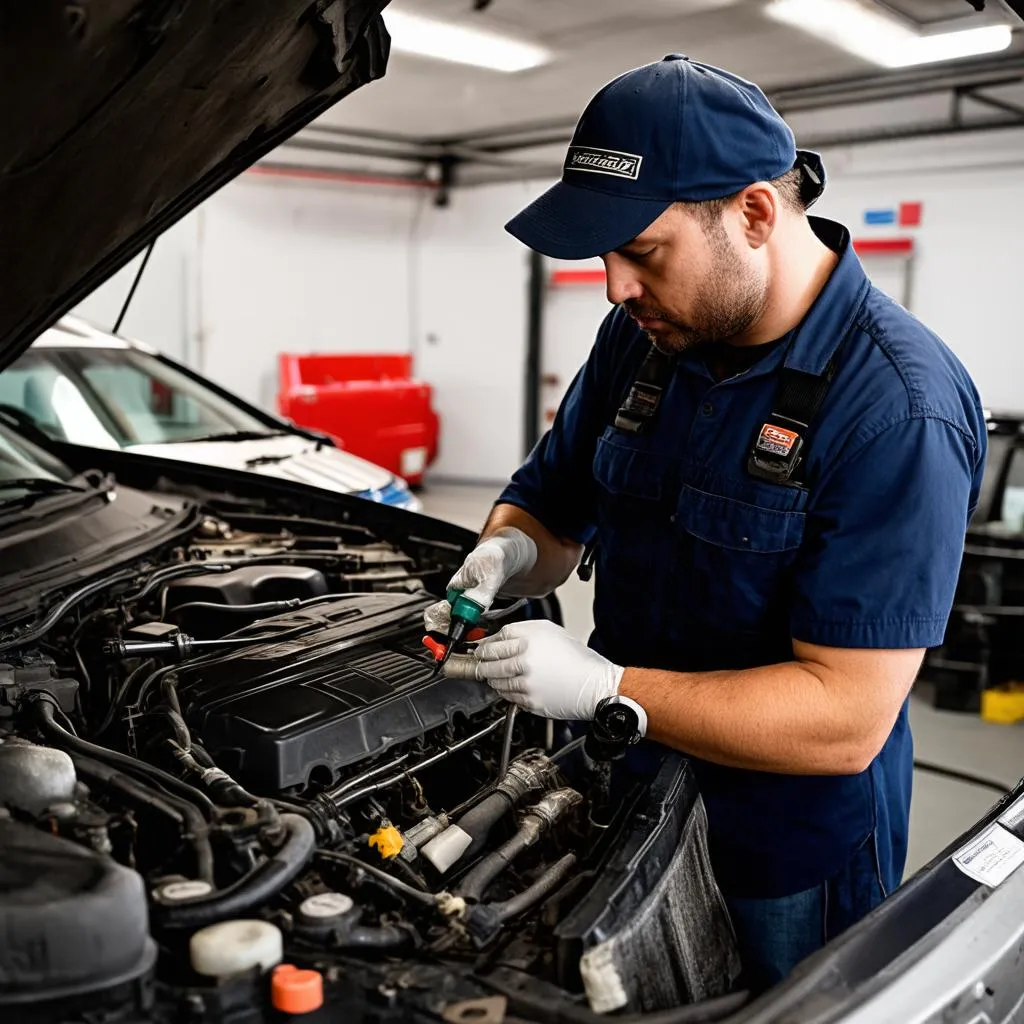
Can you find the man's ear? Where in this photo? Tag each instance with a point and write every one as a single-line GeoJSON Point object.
{"type": "Point", "coordinates": [759, 211]}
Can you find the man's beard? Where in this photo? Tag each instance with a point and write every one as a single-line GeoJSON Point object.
{"type": "Point", "coordinates": [731, 299]}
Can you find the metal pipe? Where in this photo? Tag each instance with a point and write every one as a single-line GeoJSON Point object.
{"type": "Point", "coordinates": [534, 343]}
{"type": "Point", "coordinates": [506, 742]}
{"type": "Point", "coordinates": [366, 776]}
{"type": "Point", "coordinates": [348, 177]}
{"type": "Point", "coordinates": [344, 801]}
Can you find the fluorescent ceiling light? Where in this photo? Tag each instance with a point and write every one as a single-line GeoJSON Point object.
{"type": "Point", "coordinates": [412, 33]}
{"type": "Point", "coordinates": [876, 36]}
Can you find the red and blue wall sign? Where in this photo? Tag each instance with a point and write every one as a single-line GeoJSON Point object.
{"type": "Point", "coordinates": [906, 215]}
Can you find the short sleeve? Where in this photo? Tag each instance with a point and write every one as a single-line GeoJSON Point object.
{"type": "Point", "coordinates": [556, 483]}
{"type": "Point", "coordinates": [884, 539]}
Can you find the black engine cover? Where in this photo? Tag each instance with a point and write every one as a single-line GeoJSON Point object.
{"type": "Point", "coordinates": [282, 715]}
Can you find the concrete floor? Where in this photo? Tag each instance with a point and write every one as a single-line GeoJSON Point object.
{"type": "Point", "coordinates": [942, 808]}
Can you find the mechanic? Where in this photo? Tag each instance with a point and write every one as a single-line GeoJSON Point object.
{"type": "Point", "coordinates": [778, 490]}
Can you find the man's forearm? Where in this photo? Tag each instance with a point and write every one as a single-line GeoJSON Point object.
{"type": "Point", "coordinates": [800, 718]}
{"type": "Point", "coordinates": [556, 557]}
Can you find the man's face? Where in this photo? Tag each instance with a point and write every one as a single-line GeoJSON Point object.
{"type": "Point", "coordinates": [687, 283]}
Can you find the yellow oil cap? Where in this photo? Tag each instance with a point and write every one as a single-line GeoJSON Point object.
{"type": "Point", "coordinates": [387, 840]}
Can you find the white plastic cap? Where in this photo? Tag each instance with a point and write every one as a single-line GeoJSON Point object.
{"type": "Point", "coordinates": [233, 946]}
{"type": "Point", "coordinates": [192, 889]}
{"type": "Point", "coordinates": [325, 905]}
{"type": "Point", "coordinates": [444, 850]}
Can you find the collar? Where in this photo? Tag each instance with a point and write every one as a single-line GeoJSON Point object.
{"type": "Point", "coordinates": [810, 345]}
{"type": "Point", "coordinates": [834, 311]}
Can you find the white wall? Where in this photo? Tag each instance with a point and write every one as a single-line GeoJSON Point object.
{"type": "Point", "coordinates": [301, 266]}
{"type": "Point", "coordinates": [968, 251]}
{"type": "Point", "coordinates": [471, 336]}
{"type": "Point", "coordinates": [163, 310]}
{"type": "Point", "coordinates": [267, 265]}
{"type": "Point", "coordinates": [965, 272]}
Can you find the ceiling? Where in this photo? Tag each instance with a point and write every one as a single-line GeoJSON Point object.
{"type": "Point", "coordinates": [593, 41]}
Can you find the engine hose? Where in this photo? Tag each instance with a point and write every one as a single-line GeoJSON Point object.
{"type": "Point", "coordinates": [537, 820]}
{"type": "Point", "coordinates": [362, 937]}
{"type": "Point", "coordinates": [177, 810]}
{"type": "Point", "coordinates": [478, 821]}
{"type": "Point", "coordinates": [475, 883]}
{"type": "Point", "coordinates": [251, 892]}
{"type": "Point", "coordinates": [270, 607]}
{"type": "Point", "coordinates": [224, 790]}
{"type": "Point", "coordinates": [44, 705]}
{"type": "Point", "coordinates": [530, 897]}
{"type": "Point", "coordinates": [425, 898]}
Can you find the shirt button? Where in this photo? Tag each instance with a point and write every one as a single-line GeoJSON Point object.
{"type": "Point", "coordinates": [707, 409]}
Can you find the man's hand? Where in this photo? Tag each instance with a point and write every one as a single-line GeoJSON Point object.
{"type": "Point", "coordinates": [543, 669]}
{"type": "Point", "coordinates": [485, 571]}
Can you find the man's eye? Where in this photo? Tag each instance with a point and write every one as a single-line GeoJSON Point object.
{"type": "Point", "coordinates": [644, 255]}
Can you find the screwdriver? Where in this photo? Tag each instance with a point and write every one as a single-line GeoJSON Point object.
{"type": "Point", "coordinates": [466, 614]}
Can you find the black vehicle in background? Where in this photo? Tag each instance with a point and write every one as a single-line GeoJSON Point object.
{"type": "Point", "coordinates": [984, 644]}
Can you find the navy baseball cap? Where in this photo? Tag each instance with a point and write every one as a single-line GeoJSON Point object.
{"type": "Point", "coordinates": [676, 130]}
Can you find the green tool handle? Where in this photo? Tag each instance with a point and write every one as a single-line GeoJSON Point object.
{"type": "Point", "coordinates": [464, 608]}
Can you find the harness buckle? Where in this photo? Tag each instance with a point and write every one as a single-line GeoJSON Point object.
{"type": "Point", "coordinates": [777, 451]}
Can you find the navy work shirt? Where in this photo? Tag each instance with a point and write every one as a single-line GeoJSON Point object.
{"type": "Point", "coordinates": [700, 566]}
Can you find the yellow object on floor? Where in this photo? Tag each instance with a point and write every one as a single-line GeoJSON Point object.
{"type": "Point", "coordinates": [1003, 705]}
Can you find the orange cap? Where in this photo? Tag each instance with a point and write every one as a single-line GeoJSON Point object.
{"type": "Point", "coordinates": [296, 991]}
{"type": "Point", "coordinates": [435, 647]}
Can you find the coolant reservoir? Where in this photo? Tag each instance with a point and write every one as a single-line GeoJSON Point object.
{"type": "Point", "coordinates": [234, 946]}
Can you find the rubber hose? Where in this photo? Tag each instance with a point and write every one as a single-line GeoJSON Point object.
{"type": "Point", "coordinates": [251, 892]}
{"type": "Point", "coordinates": [177, 810]}
{"type": "Point", "coordinates": [360, 937]}
{"type": "Point", "coordinates": [44, 705]}
{"type": "Point", "coordinates": [535, 893]}
{"type": "Point", "coordinates": [478, 821]}
{"type": "Point", "coordinates": [475, 883]}
{"type": "Point", "coordinates": [425, 898]}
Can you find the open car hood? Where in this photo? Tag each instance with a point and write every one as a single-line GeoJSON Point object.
{"type": "Point", "coordinates": [129, 113]}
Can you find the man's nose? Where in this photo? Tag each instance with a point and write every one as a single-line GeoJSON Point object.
{"type": "Point", "coordinates": [621, 280]}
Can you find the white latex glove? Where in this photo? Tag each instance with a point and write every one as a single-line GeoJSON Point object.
{"type": "Point", "coordinates": [543, 669]}
{"type": "Point", "coordinates": [494, 561]}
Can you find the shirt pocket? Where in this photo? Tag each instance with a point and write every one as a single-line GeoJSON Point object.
{"type": "Point", "coordinates": [634, 510]}
{"type": "Point", "coordinates": [739, 556]}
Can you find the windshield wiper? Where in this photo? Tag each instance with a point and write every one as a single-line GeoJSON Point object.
{"type": "Point", "coordinates": [37, 487]}
{"type": "Point", "coordinates": [240, 435]}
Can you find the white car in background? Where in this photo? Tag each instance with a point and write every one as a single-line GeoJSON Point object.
{"type": "Point", "coordinates": [81, 384]}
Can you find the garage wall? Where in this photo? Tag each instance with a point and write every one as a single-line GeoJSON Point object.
{"type": "Point", "coordinates": [470, 341]}
{"type": "Point", "coordinates": [964, 276]}
{"type": "Point", "coordinates": [163, 310]}
{"type": "Point", "coordinates": [268, 265]}
{"type": "Point", "coordinates": [301, 266]}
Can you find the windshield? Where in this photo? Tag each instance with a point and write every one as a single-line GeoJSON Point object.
{"type": "Point", "coordinates": [116, 398]}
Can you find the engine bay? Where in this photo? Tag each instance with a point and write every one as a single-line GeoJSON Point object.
{"type": "Point", "coordinates": [233, 753]}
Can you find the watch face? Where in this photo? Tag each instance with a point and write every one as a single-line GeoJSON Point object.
{"type": "Point", "coordinates": [620, 721]}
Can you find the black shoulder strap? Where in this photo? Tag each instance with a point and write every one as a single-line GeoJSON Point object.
{"type": "Point", "coordinates": [778, 452]}
{"type": "Point", "coordinates": [636, 414]}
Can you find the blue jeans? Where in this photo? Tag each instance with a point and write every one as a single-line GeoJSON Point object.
{"type": "Point", "coordinates": [774, 935]}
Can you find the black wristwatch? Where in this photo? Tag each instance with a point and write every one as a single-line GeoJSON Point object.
{"type": "Point", "coordinates": [619, 723]}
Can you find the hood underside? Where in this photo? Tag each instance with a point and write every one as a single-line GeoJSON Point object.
{"type": "Point", "coordinates": [129, 113]}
